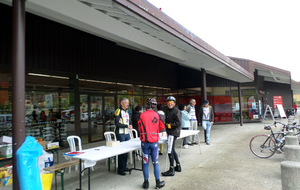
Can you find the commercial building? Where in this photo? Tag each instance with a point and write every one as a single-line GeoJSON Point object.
{"type": "Point", "coordinates": [83, 56]}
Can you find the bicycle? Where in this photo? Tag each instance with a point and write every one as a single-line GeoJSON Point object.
{"type": "Point", "coordinates": [265, 146]}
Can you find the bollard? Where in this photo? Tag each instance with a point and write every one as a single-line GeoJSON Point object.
{"type": "Point", "coordinates": [292, 153]}
{"type": "Point", "coordinates": [290, 174]}
{"type": "Point", "coordinates": [290, 120]}
{"type": "Point", "coordinates": [291, 140]}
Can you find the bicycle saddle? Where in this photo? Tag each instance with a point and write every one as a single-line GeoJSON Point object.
{"type": "Point", "coordinates": [267, 127]}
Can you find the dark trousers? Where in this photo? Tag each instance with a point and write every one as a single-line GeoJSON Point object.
{"type": "Point", "coordinates": [122, 159]}
{"type": "Point", "coordinates": [172, 155]}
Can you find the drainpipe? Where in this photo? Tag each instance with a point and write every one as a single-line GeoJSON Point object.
{"type": "Point", "coordinates": [18, 82]}
{"type": "Point", "coordinates": [240, 102]}
{"type": "Point", "coordinates": [203, 91]}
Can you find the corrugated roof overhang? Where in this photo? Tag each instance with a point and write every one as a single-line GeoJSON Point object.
{"type": "Point", "coordinates": [296, 87]}
{"type": "Point", "coordinates": [270, 73]}
{"type": "Point", "coordinates": [140, 26]}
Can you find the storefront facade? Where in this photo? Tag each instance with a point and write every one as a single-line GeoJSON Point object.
{"type": "Point", "coordinates": [72, 73]}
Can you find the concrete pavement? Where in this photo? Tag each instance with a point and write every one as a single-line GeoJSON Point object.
{"type": "Point", "coordinates": [225, 164]}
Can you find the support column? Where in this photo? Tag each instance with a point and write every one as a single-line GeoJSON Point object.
{"type": "Point", "coordinates": [77, 107]}
{"type": "Point", "coordinates": [203, 85]}
{"type": "Point", "coordinates": [240, 104]}
{"type": "Point", "coordinates": [18, 82]}
{"type": "Point", "coordinates": [203, 92]}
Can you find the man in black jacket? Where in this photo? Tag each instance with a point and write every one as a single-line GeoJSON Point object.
{"type": "Point", "coordinates": [172, 124]}
{"type": "Point", "coordinates": [135, 117]}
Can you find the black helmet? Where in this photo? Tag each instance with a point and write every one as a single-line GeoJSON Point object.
{"type": "Point", "coordinates": [151, 103]}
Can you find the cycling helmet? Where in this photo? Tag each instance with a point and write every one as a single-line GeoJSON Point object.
{"type": "Point", "coordinates": [151, 103]}
{"type": "Point", "coordinates": [170, 98]}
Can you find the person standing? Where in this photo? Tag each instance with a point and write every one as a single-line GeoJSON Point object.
{"type": "Point", "coordinates": [150, 124]}
{"type": "Point", "coordinates": [34, 116]}
{"type": "Point", "coordinates": [295, 107]}
{"type": "Point", "coordinates": [43, 116]}
{"type": "Point", "coordinates": [122, 127]}
{"type": "Point", "coordinates": [162, 114]}
{"type": "Point", "coordinates": [172, 123]}
{"type": "Point", "coordinates": [193, 121]}
{"type": "Point", "coordinates": [206, 119]}
{"type": "Point", "coordinates": [185, 122]}
{"type": "Point", "coordinates": [135, 118]}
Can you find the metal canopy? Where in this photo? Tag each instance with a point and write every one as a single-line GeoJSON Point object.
{"type": "Point", "coordinates": [296, 87]}
{"type": "Point", "coordinates": [134, 26]}
{"type": "Point", "coordinates": [272, 76]}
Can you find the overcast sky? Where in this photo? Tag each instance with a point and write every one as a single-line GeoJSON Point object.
{"type": "Point", "coordinates": [266, 31]}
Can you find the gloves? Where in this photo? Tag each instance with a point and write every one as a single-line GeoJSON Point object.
{"type": "Point", "coordinates": [168, 125]}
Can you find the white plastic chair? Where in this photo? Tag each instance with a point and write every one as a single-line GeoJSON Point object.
{"type": "Point", "coordinates": [71, 141]}
{"type": "Point", "coordinates": [131, 132]}
{"type": "Point", "coordinates": [131, 136]}
{"type": "Point", "coordinates": [108, 137]}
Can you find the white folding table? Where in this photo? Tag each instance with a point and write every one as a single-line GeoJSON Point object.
{"type": "Point", "coordinates": [92, 155]}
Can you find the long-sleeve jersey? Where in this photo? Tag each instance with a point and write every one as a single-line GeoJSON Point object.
{"type": "Point", "coordinates": [150, 124]}
{"type": "Point", "coordinates": [121, 121]}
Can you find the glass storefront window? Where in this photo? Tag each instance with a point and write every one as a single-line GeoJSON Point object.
{"type": "Point", "coordinates": [250, 107]}
{"type": "Point", "coordinates": [49, 115]}
{"type": "Point", "coordinates": [123, 88]}
{"type": "Point", "coordinates": [235, 108]}
{"type": "Point", "coordinates": [170, 92]}
{"type": "Point", "coordinates": [161, 100]}
{"type": "Point", "coordinates": [222, 108]}
{"type": "Point", "coordinates": [46, 82]}
{"type": "Point", "coordinates": [234, 91]}
{"type": "Point", "coordinates": [5, 79]}
{"type": "Point", "coordinates": [5, 103]}
{"type": "Point", "coordinates": [183, 92]}
{"type": "Point", "coordinates": [194, 91]}
{"type": "Point", "coordinates": [152, 91]}
{"type": "Point", "coordinates": [249, 90]}
{"type": "Point", "coordinates": [98, 86]}
{"type": "Point", "coordinates": [5, 93]}
{"type": "Point", "coordinates": [218, 90]}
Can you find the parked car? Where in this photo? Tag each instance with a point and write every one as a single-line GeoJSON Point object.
{"type": "Point", "coordinates": [66, 114]}
{"type": "Point", "coordinates": [84, 116]}
{"type": "Point", "coordinates": [72, 118]}
{"type": "Point", "coordinates": [5, 120]}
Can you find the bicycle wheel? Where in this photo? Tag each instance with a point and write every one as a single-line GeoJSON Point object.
{"type": "Point", "coordinates": [280, 147]}
{"type": "Point", "coordinates": [262, 146]}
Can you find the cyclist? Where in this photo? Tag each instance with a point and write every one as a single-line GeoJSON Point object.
{"type": "Point", "coordinates": [172, 123]}
{"type": "Point", "coordinates": [150, 124]}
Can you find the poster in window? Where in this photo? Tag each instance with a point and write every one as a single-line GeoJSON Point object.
{"type": "Point", "coordinates": [49, 101]}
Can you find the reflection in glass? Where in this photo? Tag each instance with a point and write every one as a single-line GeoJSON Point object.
{"type": "Point", "coordinates": [96, 118]}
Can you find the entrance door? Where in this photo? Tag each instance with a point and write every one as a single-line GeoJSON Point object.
{"type": "Point", "coordinates": [97, 116]}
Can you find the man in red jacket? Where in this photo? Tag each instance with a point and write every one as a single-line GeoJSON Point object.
{"type": "Point", "coordinates": [150, 124]}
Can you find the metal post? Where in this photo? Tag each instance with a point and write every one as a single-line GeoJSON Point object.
{"type": "Point", "coordinates": [80, 174]}
{"type": "Point", "coordinates": [240, 104]}
{"type": "Point", "coordinates": [203, 91]}
{"type": "Point", "coordinates": [89, 178]}
{"type": "Point", "coordinates": [203, 85]}
{"type": "Point", "coordinates": [77, 106]}
{"type": "Point", "coordinates": [18, 81]}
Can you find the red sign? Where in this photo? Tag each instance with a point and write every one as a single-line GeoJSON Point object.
{"type": "Point", "coordinates": [277, 100]}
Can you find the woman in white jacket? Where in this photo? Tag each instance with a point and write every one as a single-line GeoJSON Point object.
{"type": "Point", "coordinates": [185, 121]}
